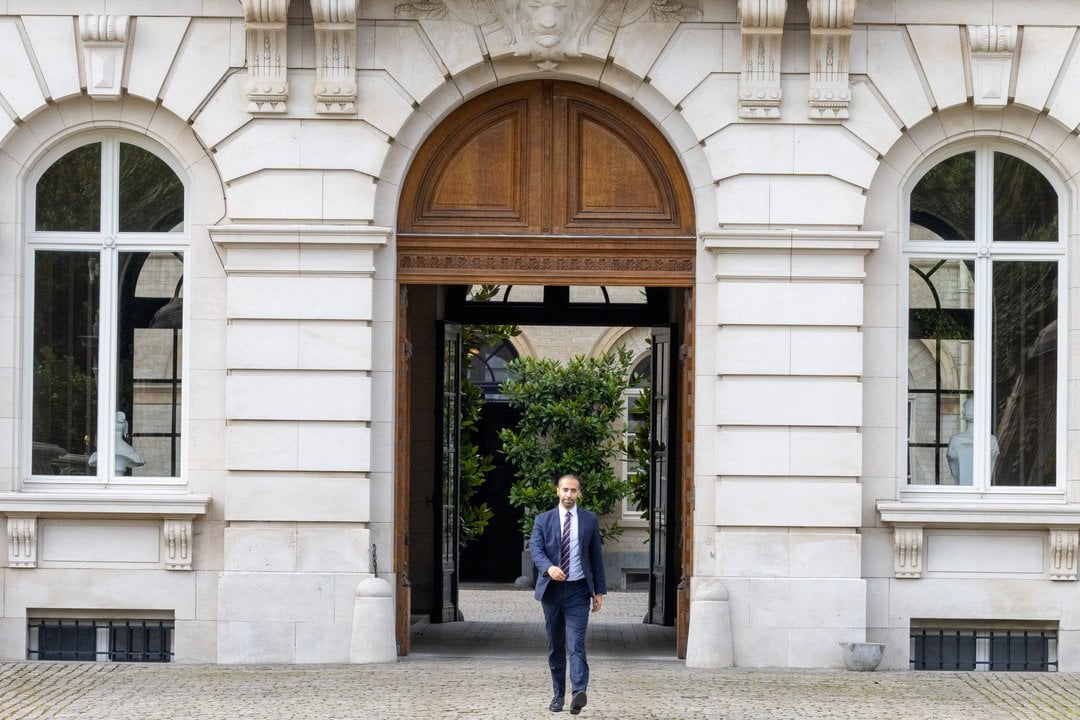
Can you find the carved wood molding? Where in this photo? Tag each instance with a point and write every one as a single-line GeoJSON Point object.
{"type": "Point", "coordinates": [265, 24]}
{"type": "Point", "coordinates": [538, 260]}
{"type": "Point", "coordinates": [104, 43]}
{"type": "Point", "coordinates": [991, 51]}
{"type": "Point", "coordinates": [830, 54]}
{"type": "Point", "coordinates": [762, 37]}
{"type": "Point", "coordinates": [335, 50]}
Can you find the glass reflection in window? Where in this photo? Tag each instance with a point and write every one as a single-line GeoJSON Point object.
{"type": "Point", "coordinates": [68, 195]}
{"type": "Point", "coordinates": [1024, 372]}
{"type": "Point", "coordinates": [65, 362]}
{"type": "Point", "coordinates": [149, 380]}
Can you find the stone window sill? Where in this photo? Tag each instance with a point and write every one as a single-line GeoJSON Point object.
{"type": "Point", "coordinates": [175, 510]}
{"type": "Point", "coordinates": [910, 520]}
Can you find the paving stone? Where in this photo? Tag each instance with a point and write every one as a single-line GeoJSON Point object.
{"type": "Point", "coordinates": [486, 669]}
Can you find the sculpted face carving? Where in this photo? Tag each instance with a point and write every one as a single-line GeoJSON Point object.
{"type": "Point", "coordinates": [546, 24]}
{"type": "Point", "coordinates": [549, 31]}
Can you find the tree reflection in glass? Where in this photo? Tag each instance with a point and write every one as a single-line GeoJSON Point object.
{"type": "Point", "coordinates": [1024, 372]}
{"type": "Point", "coordinates": [151, 195]}
{"type": "Point", "coordinates": [68, 196]}
{"type": "Point", "coordinates": [65, 362]}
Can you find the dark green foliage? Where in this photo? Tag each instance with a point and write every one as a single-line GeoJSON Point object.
{"type": "Point", "coordinates": [474, 466]}
{"type": "Point", "coordinates": [569, 424]}
{"type": "Point", "coordinates": [638, 452]}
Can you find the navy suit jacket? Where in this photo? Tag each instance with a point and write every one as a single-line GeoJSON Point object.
{"type": "Point", "coordinates": [545, 546]}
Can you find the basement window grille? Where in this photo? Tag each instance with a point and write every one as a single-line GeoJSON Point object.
{"type": "Point", "coordinates": [984, 649]}
{"type": "Point", "coordinates": [100, 640]}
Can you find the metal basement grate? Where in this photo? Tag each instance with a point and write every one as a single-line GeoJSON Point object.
{"type": "Point", "coordinates": [100, 640]}
{"type": "Point", "coordinates": [984, 649]}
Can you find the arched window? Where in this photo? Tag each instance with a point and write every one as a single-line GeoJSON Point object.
{"type": "Point", "coordinates": [105, 272]}
{"type": "Point", "coordinates": [488, 367]}
{"type": "Point", "coordinates": [986, 258]}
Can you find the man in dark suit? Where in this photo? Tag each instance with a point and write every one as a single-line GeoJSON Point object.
{"type": "Point", "coordinates": [565, 547]}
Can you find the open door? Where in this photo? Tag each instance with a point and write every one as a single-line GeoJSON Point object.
{"type": "Point", "coordinates": [448, 481]}
{"type": "Point", "coordinates": [662, 506]}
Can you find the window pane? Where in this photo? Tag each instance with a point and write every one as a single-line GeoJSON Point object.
{"type": "Point", "coordinates": [65, 362]}
{"type": "Point", "coordinates": [149, 362]}
{"type": "Point", "coordinates": [1025, 204]}
{"type": "Point", "coordinates": [151, 196]}
{"type": "Point", "coordinates": [69, 193]}
{"type": "Point", "coordinates": [943, 202]}
{"type": "Point", "coordinates": [940, 368]}
{"type": "Point", "coordinates": [1024, 372]}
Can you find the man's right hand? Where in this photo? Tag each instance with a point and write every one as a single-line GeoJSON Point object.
{"type": "Point", "coordinates": [556, 573]}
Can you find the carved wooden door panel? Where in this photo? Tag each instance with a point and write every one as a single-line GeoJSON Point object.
{"type": "Point", "coordinates": [663, 510]}
{"type": "Point", "coordinates": [448, 483]}
{"type": "Point", "coordinates": [546, 179]}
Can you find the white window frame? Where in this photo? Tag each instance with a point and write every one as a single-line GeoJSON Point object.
{"type": "Point", "coordinates": [984, 251]}
{"type": "Point", "coordinates": [109, 242]}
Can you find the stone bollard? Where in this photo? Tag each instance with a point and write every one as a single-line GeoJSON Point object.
{"type": "Point", "coordinates": [373, 638]}
{"type": "Point", "coordinates": [709, 643]}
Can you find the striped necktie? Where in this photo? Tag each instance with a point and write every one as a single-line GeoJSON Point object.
{"type": "Point", "coordinates": [564, 561]}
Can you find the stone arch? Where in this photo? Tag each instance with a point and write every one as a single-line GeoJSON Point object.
{"type": "Point", "coordinates": [54, 124]}
{"type": "Point", "coordinates": [1039, 134]}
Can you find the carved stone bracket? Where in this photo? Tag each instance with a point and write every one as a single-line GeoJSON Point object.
{"type": "Point", "coordinates": [908, 552]}
{"type": "Point", "coordinates": [22, 542]}
{"type": "Point", "coordinates": [335, 50]}
{"type": "Point", "coordinates": [1063, 547]}
{"type": "Point", "coordinates": [177, 539]}
{"type": "Point", "coordinates": [992, 49]}
{"type": "Point", "coordinates": [104, 42]}
{"type": "Point", "coordinates": [268, 87]}
{"type": "Point", "coordinates": [830, 55]}
{"type": "Point", "coordinates": [762, 36]}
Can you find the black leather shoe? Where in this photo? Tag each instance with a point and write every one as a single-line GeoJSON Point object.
{"type": "Point", "coordinates": [556, 704]}
{"type": "Point", "coordinates": [578, 702]}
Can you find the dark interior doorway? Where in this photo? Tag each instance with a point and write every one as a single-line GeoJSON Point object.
{"type": "Point", "coordinates": [496, 555]}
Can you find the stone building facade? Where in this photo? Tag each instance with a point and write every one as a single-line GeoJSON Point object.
{"type": "Point", "coordinates": [212, 221]}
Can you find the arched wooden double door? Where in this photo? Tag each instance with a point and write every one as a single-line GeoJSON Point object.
{"type": "Point", "coordinates": [536, 183]}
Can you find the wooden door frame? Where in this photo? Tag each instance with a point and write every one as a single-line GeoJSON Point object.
{"type": "Point", "coordinates": [539, 237]}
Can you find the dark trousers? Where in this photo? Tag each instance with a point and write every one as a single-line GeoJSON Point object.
{"type": "Point", "coordinates": [566, 616]}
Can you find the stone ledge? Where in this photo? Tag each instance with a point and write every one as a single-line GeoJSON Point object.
{"type": "Point", "coordinates": [794, 240]}
{"type": "Point", "coordinates": [104, 504]}
{"type": "Point", "coordinates": [306, 234]}
{"type": "Point", "coordinates": [975, 514]}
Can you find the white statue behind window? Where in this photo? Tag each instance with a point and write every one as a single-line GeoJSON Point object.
{"type": "Point", "coordinates": [959, 453]}
{"type": "Point", "coordinates": [127, 457]}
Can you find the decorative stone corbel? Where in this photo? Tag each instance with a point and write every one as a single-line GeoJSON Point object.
{"type": "Point", "coordinates": [335, 51]}
{"type": "Point", "coordinates": [908, 552]}
{"type": "Point", "coordinates": [830, 55]}
{"type": "Point", "coordinates": [104, 41]}
{"type": "Point", "coordinates": [1063, 546]}
{"type": "Point", "coordinates": [991, 50]}
{"type": "Point", "coordinates": [22, 542]}
{"type": "Point", "coordinates": [268, 87]}
{"type": "Point", "coordinates": [177, 539]}
{"type": "Point", "coordinates": [762, 36]}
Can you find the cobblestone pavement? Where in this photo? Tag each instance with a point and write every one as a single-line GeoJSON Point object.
{"type": "Point", "coordinates": [441, 679]}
